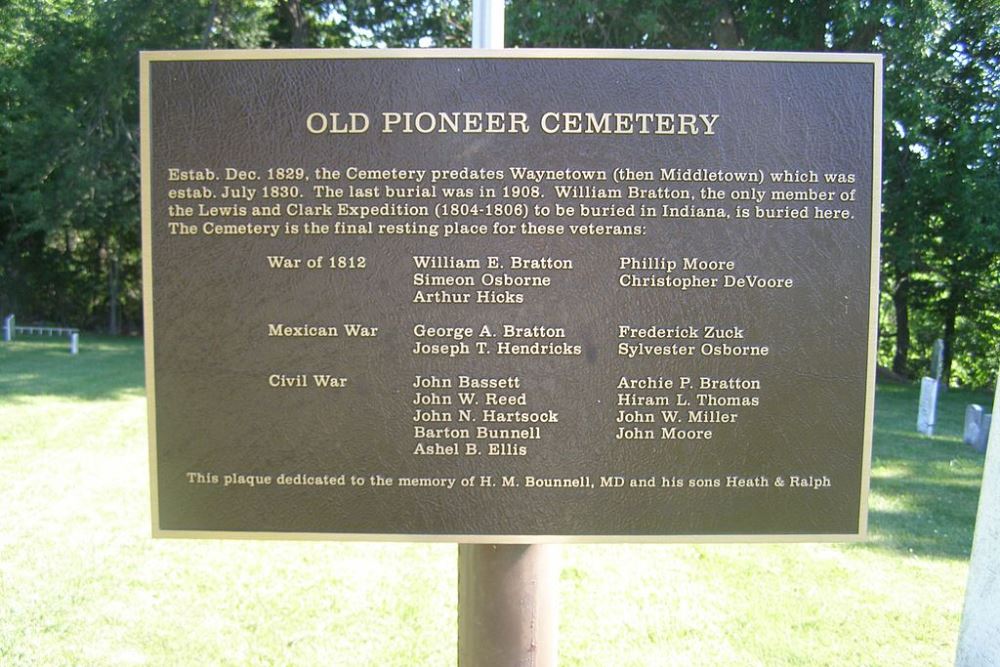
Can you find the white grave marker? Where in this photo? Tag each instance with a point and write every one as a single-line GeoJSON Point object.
{"type": "Point", "coordinates": [979, 637]}
{"type": "Point", "coordinates": [973, 422]}
{"type": "Point", "coordinates": [928, 406]}
{"type": "Point", "coordinates": [982, 442]}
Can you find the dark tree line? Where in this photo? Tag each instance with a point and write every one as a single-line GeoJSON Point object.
{"type": "Point", "coordinates": [69, 139]}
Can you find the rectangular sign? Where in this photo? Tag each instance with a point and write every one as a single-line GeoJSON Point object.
{"type": "Point", "coordinates": [512, 296]}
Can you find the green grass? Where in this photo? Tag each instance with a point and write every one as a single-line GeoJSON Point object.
{"type": "Point", "coordinates": [82, 583]}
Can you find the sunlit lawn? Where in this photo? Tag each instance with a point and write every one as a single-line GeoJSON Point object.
{"type": "Point", "coordinates": [82, 583]}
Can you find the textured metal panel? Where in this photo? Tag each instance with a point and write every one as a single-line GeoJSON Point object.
{"type": "Point", "coordinates": [773, 445]}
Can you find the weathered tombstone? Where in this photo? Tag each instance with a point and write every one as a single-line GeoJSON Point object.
{"type": "Point", "coordinates": [8, 328]}
{"type": "Point", "coordinates": [928, 406]}
{"type": "Point", "coordinates": [74, 343]}
{"type": "Point", "coordinates": [973, 420]}
{"type": "Point", "coordinates": [937, 359]}
{"type": "Point", "coordinates": [982, 441]}
{"type": "Point", "coordinates": [979, 637]}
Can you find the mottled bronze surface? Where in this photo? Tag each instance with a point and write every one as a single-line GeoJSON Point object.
{"type": "Point", "coordinates": [581, 241]}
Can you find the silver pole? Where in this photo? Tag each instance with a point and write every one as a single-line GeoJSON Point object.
{"type": "Point", "coordinates": [487, 24]}
{"type": "Point", "coordinates": [508, 594]}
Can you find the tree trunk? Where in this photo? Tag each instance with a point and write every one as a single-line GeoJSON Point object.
{"type": "Point", "coordinates": [206, 35]}
{"type": "Point", "coordinates": [725, 32]}
{"type": "Point", "coordinates": [901, 304]}
{"type": "Point", "coordinates": [950, 316]}
{"type": "Point", "coordinates": [114, 289]}
{"type": "Point", "coordinates": [297, 24]}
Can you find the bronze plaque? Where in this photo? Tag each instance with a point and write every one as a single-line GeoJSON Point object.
{"type": "Point", "coordinates": [512, 296]}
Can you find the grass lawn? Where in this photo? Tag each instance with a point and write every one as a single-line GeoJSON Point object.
{"type": "Point", "coordinates": [82, 583]}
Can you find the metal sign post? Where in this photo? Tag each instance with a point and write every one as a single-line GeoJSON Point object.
{"type": "Point", "coordinates": [508, 601]}
{"type": "Point", "coordinates": [487, 24]}
{"type": "Point", "coordinates": [508, 594]}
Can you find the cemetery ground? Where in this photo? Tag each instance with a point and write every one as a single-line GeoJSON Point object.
{"type": "Point", "coordinates": [82, 582]}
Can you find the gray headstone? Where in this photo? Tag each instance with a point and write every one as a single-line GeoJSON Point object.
{"type": "Point", "coordinates": [8, 328]}
{"type": "Point", "coordinates": [985, 426]}
{"type": "Point", "coordinates": [937, 359]}
{"type": "Point", "coordinates": [973, 420]}
{"type": "Point", "coordinates": [928, 406]}
{"type": "Point", "coordinates": [979, 637]}
{"type": "Point", "coordinates": [74, 343]}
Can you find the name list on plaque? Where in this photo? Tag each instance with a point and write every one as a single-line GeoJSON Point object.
{"type": "Point", "coordinates": [512, 296]}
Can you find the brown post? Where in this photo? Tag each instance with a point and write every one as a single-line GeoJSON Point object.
{"type": "Point", "coordinates": [508, 601]}
{"type": "Point", "coordinates": [508, 595]}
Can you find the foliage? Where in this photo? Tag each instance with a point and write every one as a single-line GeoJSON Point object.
{"type": "Point", "coordinates": [69, 171]}
{"type": "Point", "coordinates": [941, 243]}
{"type": "Point", "coordinates": [413, 23]}
{"type": "Point", "coordinates": [69, 166]}
{"type": "Point", "coordinates": [941, 235]}
{"type": "Point", "coordinates": [69, 239]}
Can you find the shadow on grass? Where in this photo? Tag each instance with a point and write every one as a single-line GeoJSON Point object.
{"type": "Point", "coordinates": [931, 519]}
{"type": "Point", "coordinates": [105, 369]}
{"type": "Point", "coordinates": [924, 490]}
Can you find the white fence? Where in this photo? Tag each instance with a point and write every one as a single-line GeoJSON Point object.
{"type": "Point", "coordinates": [10, 331]}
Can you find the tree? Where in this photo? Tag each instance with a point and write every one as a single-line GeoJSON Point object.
{"type": "Point", "coordinates": [965, 132]}
{"type": "Point", "coordinates": [69, 144]}
{"type": "Point", "coordinates": [69, 166]}
{"type": "Point", "coordinates": [939, 244]}
{"type": "Point", "coordinates": [941, 240]}
{"type": "Point", "coordinates": [69, 170]}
